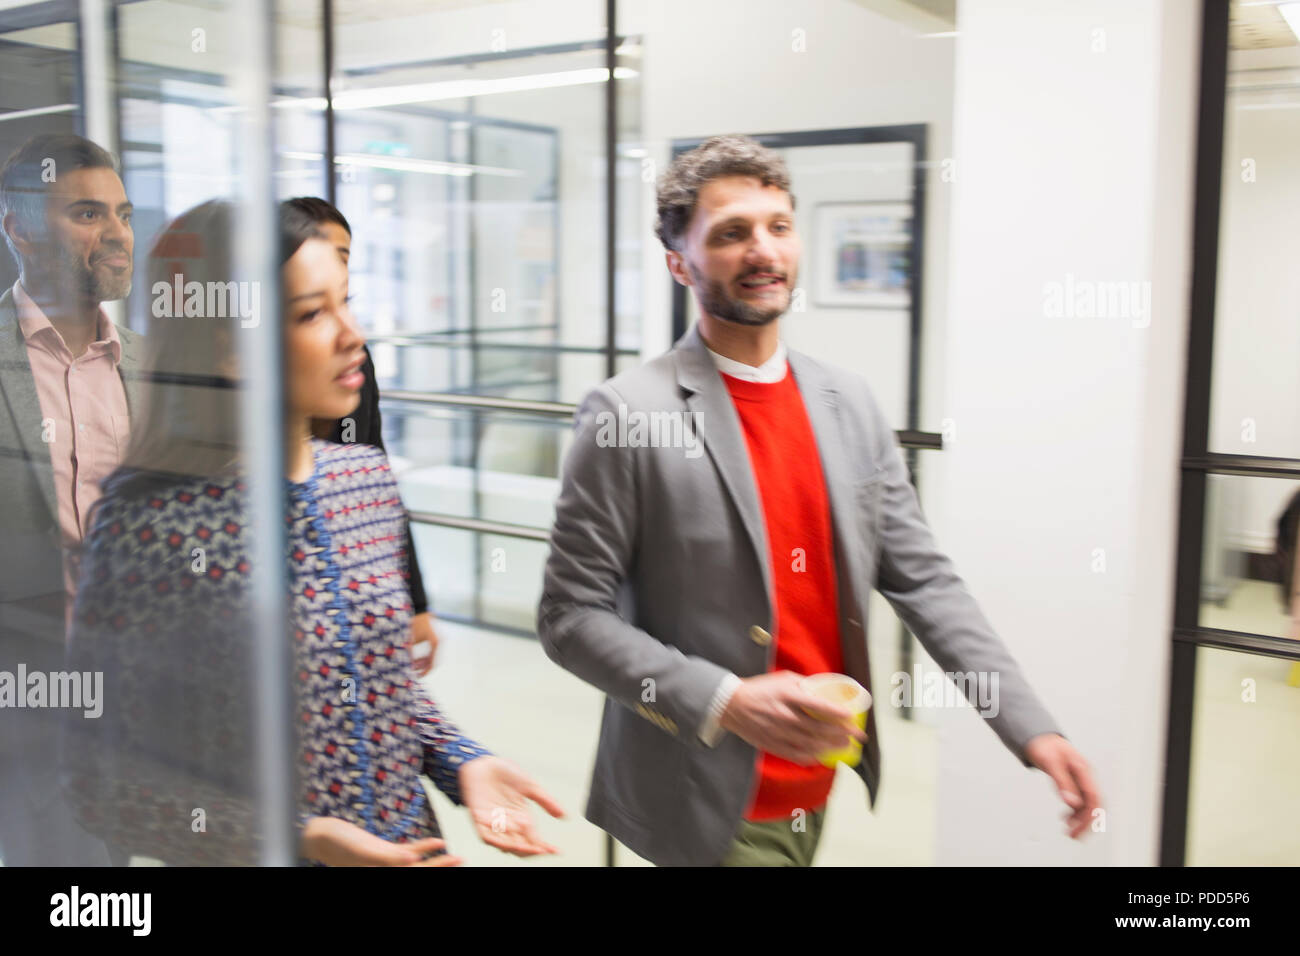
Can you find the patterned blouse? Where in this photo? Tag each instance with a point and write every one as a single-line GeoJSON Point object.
{"type": "Point", "coordinates": [168, 769]}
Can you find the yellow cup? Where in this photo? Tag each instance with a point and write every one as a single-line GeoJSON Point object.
{"type": "Point", "coordinates": [842, 691]}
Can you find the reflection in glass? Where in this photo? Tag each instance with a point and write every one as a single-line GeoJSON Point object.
{"type": "Point", "coordinates": [1241, 575]}
{"type": "Point", "coordinates": [1245, 772]}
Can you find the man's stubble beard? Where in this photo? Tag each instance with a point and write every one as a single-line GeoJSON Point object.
{"type": "Point", "coordinates": [81, 281]}
{"type": "Point", "coordinates": [714, 299]}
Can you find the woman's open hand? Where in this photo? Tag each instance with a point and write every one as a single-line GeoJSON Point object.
{"type": "Point", "coordinates": [337, 842]}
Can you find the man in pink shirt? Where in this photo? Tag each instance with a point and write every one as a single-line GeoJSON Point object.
{"type": "Point", "coordinates": [66, 391]}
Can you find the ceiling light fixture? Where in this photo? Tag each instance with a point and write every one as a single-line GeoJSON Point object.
{"type": "Point", "coordinates": [431, 167]}
{"type": "Point", "coordinates": [382, 96]}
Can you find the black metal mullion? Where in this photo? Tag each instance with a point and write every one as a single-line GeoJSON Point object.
{"type": "Point", "coordinates": [80, 126]}
{"type": "Point", "coordinates": [33, 15]}
{"type": "Point", "coordinates": [327, 42]}
{"type": "Point", "coordinates": [1196, 424]}
{"type": "Point", "coordinates": [611, 185]}
{"type": "Point", "coordinates": [611, 230]}
{"type": "Point", "coordinates": [476, 422]}
{"type": "Point", "coordinates": [917, 268]}
{"type": "Point", "coordinates": [115, 50]}
{"type": "Point", "coordinates": [557, 287]}
{"type": "Point", "coordinates": [1253, 466]}
{"type": "Point", "coordinates": [1245, 642]}
{"type": "Point", "coordinates": [916, 286]}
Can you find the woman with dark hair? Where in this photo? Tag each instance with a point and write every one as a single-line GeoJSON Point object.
{"type": "Point", "coordinates": [167, 769]}
{"type": "Point", "coordinates": [365, 424]}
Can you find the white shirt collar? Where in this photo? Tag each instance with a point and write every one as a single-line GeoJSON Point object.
{"type": "Point", "coordinates": [773, 370]}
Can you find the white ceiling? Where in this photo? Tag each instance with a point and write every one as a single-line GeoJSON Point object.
{"type": "Point", "coordinates": [1257, 27]}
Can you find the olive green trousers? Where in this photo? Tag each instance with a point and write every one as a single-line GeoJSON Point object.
{"type": "Point", "coordinates": [790, 842]}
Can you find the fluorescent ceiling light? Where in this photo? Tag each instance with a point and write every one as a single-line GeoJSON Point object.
{"type": "Point", "coordinates": [39, 111]}
{"type": "Point", "coordinates": [432, 167]}
{"type": "Point", "coordinates": [382, 96]}
{"type": "Point", "coordinates": [1291, 14]}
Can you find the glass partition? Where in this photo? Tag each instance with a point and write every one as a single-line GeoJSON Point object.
{"type": "Point", "coordinates": [143, 437]}
{"type": "Point", "coordinates": [1238, 668]}
{"type": "Point", "coordinates": [470, 147]}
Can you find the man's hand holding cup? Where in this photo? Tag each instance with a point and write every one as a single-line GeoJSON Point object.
{"type": "Point", "coordinates": [793, 717]}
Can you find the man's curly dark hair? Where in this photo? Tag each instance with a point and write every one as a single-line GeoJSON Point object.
{"type": "Point", "coordinates": [679, 187]}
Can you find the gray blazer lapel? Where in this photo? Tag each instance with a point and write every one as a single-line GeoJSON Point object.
{"type": "Point", "coordinates": [718, 427]}
{"type": "Point", "coordinates": [19, 390]}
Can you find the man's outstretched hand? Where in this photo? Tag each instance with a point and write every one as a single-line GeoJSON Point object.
{"type": "Point", "coordinates": [1056, 757]}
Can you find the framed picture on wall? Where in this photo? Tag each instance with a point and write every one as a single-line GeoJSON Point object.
{"type": "Point", "coordinates": [861, 255]}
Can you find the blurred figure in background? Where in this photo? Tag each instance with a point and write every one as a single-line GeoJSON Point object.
{"type": "Point", "coordinates": [365, 425]}
{"type": "Point", "coordinates": [67, 384]}
{"type": "Point", "coordinates": [162, 606]}
{"type": "Point", "coordinates": [1287, 550]}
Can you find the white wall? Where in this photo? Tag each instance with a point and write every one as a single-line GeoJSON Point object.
{"type": "Point", "coordinates": [1067, 430]}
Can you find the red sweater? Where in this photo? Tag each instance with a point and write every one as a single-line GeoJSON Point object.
{"type": "Point", "coordinates": [788, 473]}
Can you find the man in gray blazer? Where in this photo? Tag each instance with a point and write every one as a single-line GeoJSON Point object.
{"type": "Point", "coordinates": [680, 585]}
{"type": "Point", "coordinates": [66, 387]}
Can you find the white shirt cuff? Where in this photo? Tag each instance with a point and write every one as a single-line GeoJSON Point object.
{"type": "Point", "coordinates": [711, 730]}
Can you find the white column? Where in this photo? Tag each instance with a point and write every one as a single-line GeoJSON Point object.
{"type": "Point", "coordinates": [1074, 134]}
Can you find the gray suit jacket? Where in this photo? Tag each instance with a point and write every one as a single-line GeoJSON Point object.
{"type": "Point", "coordinates": [658, 583]}
{"type": "Point", "coordinates": [35, 824]}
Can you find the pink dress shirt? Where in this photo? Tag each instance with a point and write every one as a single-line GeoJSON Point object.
{"type": "Point", "coordinates": [83, 413]}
